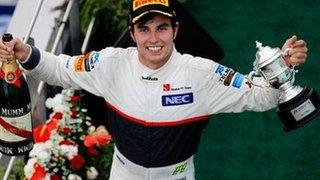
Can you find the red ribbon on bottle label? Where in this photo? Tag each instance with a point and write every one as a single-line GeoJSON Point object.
{"type": "Point", "coordinates": [14, 130]}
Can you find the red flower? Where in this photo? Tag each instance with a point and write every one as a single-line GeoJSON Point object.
{"type": "Point", "coordinates": [66, 131]}
{"type": "Point", "coordinates": [89, 141]}
{"type": "Point", "coordinates": [92, 151]}
{"type": "Point", "coordinates": [74, 112]}
{"type": "Point", "coordinates": [100, 137]}
{"type": "Point", "coordinates": [39, 173]}
{"type": "Point", "coordinates": [65, 142]}
{"type": "Point", "coordinates": [57, 115]}
{"type": "Point", "coordinates": [103, 139]}
{"type": "Point", "coordinates": [75, 99]}
{"type": "Point", "coordinates": [55, 177]}
{"type": "Point", "coordinates": [77, 162]}
{"type": "Point", "coordinates": [41, 133]}
{"type": "Point", "coordinates": [52, 124]}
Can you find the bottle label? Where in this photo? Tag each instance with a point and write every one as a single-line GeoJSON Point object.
{"type": "Point", "coordinates": [15, 124]}
{"type": "Point", "coordinates": [11, 73]}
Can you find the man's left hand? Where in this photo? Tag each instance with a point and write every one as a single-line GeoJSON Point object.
{"type": "Point", "coordinates": [297, 53]}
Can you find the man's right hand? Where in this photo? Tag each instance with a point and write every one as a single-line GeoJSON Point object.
{"type": "Point", "coordinates": [15, 47]}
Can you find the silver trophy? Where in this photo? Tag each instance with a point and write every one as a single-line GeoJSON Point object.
{"type": "Point", "coordinates": [297, 105]}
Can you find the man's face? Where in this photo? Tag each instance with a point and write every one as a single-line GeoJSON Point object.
{"type": "Point", "coordinates": [154, 41]}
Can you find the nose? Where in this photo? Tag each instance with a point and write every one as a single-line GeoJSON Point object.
{"type": "Point", "coordinates": [153, 37]}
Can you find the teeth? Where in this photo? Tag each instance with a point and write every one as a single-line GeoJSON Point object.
{"type": "Point", "coordinates": [154, 48]}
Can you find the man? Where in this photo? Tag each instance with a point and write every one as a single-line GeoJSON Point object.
{"type": "Point", "coordinates": [159, 100]}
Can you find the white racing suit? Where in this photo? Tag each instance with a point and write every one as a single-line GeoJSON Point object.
{"type": "Point", "coordinates": [155, 116]}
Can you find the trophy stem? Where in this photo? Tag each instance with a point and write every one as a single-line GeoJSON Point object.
{"type": "Point", "coordinates": [288, 91]}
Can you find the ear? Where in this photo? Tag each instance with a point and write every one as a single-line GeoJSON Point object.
{"type": "Point", "coordinates": [132, 35]}
{"type": "Point", "coordinates": [176, 28]}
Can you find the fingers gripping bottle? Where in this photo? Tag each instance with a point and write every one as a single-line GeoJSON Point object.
{"type": "Point", "coordinates": [15, 108]}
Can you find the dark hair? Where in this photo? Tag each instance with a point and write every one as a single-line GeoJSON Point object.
{"type": "Point", "coordinates": [144, 19]}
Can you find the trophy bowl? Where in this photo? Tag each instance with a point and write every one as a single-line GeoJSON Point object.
{"type": "Point", "coordinates": [297, 105]}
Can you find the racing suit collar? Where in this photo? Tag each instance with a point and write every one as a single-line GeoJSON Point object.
{"type": "Point", "coordinates": [148, 74]}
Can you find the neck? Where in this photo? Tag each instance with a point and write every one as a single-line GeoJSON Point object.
{"type": "Point", "coordinates": [154, 65]}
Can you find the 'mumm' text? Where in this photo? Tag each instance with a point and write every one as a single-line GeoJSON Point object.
{"type": "Point", "coordinates": [12, 112]}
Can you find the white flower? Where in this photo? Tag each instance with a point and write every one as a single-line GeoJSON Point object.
{"type": "Point", "coordinates": [68, 92]}
{"type": "Point", "coordinates": [60, 108]}
{"type": "Point", "coordinates": [41, 151]}
{"type": "Point", "coordinates": [28, 168]}
{"type": "Point", "coordinates": [69, 151]}
{"type": "Point", "coordinates": [92, 173]}
{"type": "Point", "coordinates": [91, 129]}
{"type": "Point", "coordinates": [49, 103]}
{"type": "Point", "coordinates": [74, 177]}
{"type": "Point", "coordinates": [58, 103]}
{"type": "Point", "coordinates": [49, 144]}
{"type": "Point", "coordinates": [88, 123]}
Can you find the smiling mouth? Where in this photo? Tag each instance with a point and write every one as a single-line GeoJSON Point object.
{"type": "Point", "coordinates": [154, 49]}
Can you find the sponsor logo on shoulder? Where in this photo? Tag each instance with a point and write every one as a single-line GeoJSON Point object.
{"type": "Point", "coordinates": [92, 59]}
{"type": "Point", "coordinates": [238, 80]}
{"type": "Point", "coordinates": [248, 83]}
{"type": "Point", "coordinates": [221, 70]}
{"type": "Point", "coordinates": [177, 99]}
{"type": "Point", "coordinates": [68, 63]}
{"type": "Point", "coordinates": [225, 74]}
{"type": "Point", "coordinates": [229, 77]}
{"type": "Point", "coordinates": [79, 64]}
{"type": "Point", "coordinates": [86, 62]}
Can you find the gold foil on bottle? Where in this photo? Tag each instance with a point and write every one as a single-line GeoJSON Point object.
{"type": "Point", "coordinates": [10, 68]}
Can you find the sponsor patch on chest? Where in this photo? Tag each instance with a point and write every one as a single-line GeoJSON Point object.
{"type": "Point", "coordinates": [177, 99]}
{"type": "Point", "coordinates": [169, 87]}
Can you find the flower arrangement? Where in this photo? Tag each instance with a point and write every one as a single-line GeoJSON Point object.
{"type": "Point", "coordinates": [68, 146]}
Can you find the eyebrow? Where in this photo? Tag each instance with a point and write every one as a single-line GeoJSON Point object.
{"type": "Point", "coordinates": [159, 26]}
{"type": "Point", "coordinates": [163, 25]}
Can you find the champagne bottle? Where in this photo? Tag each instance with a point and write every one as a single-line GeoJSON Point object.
{"type": "Point", "coordinates": [15, 108]}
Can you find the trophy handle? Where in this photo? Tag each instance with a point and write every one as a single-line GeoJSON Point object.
{"type": "Point", "coordinates": [250, 78]}
{"type": "Point", "coordinates": [286, 52]}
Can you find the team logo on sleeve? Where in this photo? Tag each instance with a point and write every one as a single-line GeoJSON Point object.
{"type": "Point", "coordinates": [94, 59]}
{"type": "Point", "coordinates": [229, 77]}
{"type": "Point", "coordinates": [248, 83]}
{"type": "Point", "coordinates": [238, 80]}
{"type": "Point", "coordinates": [86, 62]}
{"type": "Point", "coordinates": [91, 60]}
{"type": "Point", "coordinates": [79, 64]}
{"type": "Point", "coordinates": [226, 74]}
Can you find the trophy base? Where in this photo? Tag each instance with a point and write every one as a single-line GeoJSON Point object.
{"type": "Point", "coordinates": [299, 110]}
